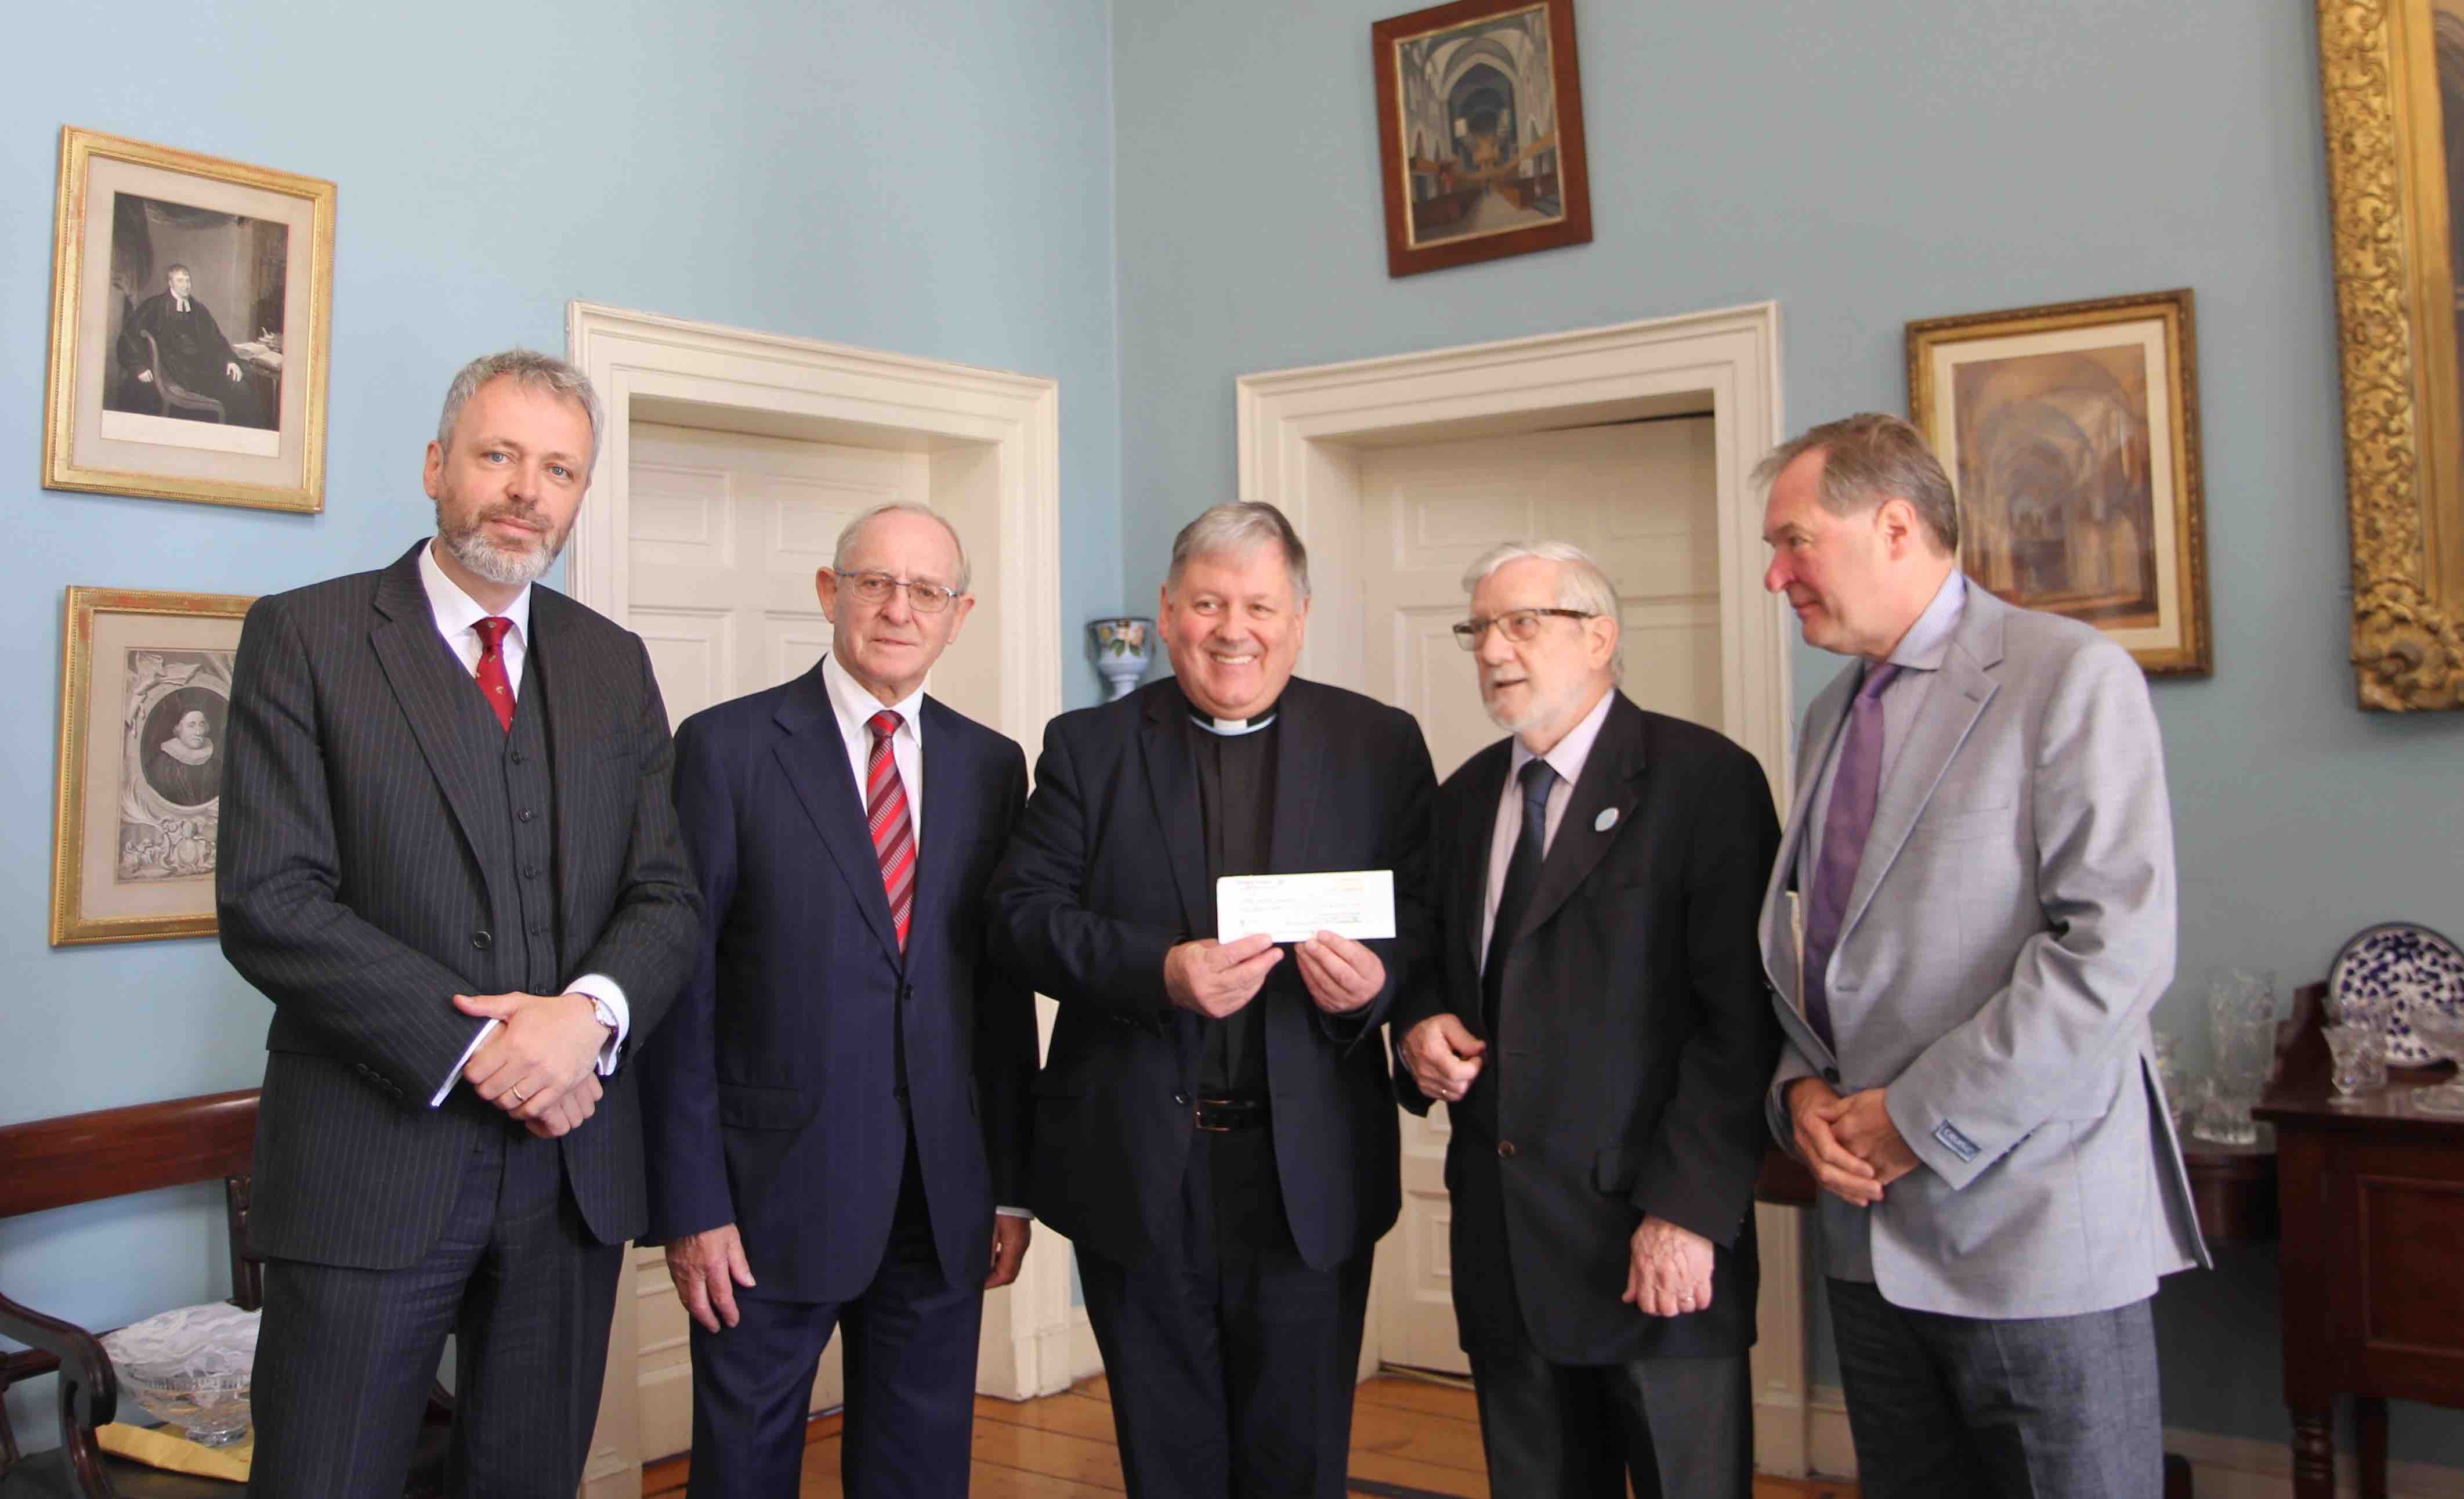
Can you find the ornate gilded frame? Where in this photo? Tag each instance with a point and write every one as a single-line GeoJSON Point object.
{"type": "Point", "coordinates": [2404, 452]}
{"type": "Point", "coordinates": [77, 454]}
{"type": "Point", "coordinates": [176, 907]}
{"type": "Point", "coordinates": [2168, 319]}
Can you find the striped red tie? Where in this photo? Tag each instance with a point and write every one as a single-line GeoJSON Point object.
{"type": "Point", "coordinates": [893, 836]}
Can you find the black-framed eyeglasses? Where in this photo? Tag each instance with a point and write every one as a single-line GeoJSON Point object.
{"type": "Point", "coordinates": [1519, 626]}
{"type": "Point", "coordinates": [874, 590]}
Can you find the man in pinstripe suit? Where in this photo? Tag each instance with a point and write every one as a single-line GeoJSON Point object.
{"type": "Point", "coordinates": [450, 861]}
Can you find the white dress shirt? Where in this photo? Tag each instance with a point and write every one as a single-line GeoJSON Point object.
{"type": "Point", "coordinates": [1566, 758]}
{"type": "Point", "coordinates": [457, 617]}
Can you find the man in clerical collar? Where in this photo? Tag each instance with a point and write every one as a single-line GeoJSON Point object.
{"type": "Point", "coordinates": [175, 362]}
{"type": "Point", "coordinates": [1213, 1127]}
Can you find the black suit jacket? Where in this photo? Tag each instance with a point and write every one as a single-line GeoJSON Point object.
{"type": "Point", "coordinates": [774, 1091]}
{"type": "Point", "coordinates": [1635, 1038]}
{"type": "Point", "coordinates": [352, 894]}
{"type": "Point", "coordinates": [1108, 872]}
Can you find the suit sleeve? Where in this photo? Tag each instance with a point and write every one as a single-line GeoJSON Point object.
{"type": "Point", "coordinates": [683, 1157]}
{"type": "Point", "coordinates": [1405, 848]}
{"type": "Point", "coordinates": [377, 1002]}
{"type": "Point", "coordinates": [2079, 988]}
{"type": "Point", "coordinates": [1006, 1052]}
{"type": "Point", "coordinates": [1700, 1171]}
{"type": "Point", "coordinates": [1041, 928]}
{"type": "Point", "coordinates": [650, 937]}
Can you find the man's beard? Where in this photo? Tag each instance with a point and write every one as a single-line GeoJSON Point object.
{"type": "Point", "coordinates": [1536, 709]}
{"type": "Point", "coordinates": [471, 547]}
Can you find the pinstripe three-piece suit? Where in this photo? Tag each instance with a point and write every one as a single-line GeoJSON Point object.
{"type": "Point", "coordinates": [386, 844]}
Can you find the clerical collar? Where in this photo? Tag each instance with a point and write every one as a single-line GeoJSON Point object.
{"type": "Point", "coordinates": [1233, 728]}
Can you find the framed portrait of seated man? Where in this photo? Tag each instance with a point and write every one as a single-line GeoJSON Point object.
{"type": "Point", "coordinates": [192, 308]}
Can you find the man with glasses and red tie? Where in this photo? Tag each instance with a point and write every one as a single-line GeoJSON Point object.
{"type": "Point", "coordinates": [837, 1107]}
{"type": "Point", "coordinates": [1600, 1038]}
{"type": "Point", "coordinates": [450, 860]}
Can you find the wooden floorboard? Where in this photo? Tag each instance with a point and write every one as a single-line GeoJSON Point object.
{"type": "Point", "coordinates": [1411, 1439]}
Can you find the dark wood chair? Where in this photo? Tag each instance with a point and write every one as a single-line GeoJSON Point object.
{"type": "Point", "coordinates": [90, 1157]}
{"type": "Point", "coordinates": [174, 393]}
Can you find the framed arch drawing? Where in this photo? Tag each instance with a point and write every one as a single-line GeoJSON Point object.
{"type": "Point", "coordinates": [2072, 432]}
{"type": "Point", "coordinates": [1480, 133]}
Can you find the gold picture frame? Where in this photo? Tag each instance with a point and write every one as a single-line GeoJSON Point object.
{"type": "Point", "coordinates": [138, 808]}
{"type": "Point", "coordinates": [2072, 432]}
{"type": "Point", "coordinates": [191, 312]}
{"type": "Point", "coordinates": [2389, 168]}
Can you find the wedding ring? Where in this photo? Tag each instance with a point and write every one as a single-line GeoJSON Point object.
{"type": "Point", "coordinates": [520, 1096]}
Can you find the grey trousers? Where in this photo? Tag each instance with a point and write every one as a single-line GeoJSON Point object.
{"type": "Point", "coordinates": [1946, 1407]}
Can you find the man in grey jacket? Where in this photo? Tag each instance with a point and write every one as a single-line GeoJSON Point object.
{"type": "Point", "coordinates": [1971, 914]}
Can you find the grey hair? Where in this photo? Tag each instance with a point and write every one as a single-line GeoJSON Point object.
{"type": "Point", "coordinates": [1235, 527]}
{"type": "Point", "coordinates": [178, 268]}
{"type": "Point", "coordinates": [530, 369]}
{"type": "Point", "coordinates": [900, 507]}
{"type": "Point", "coordinates": [1582, 583]}
{"type": "Point", "coordinates": [1871, 458]}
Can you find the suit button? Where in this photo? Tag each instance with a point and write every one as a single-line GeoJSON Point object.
{"type": "Point", "coordinates": [483, 940]}
{"type": "Point", "coordinates": [1505, 1149]}
{"type": "Point", "coordinates": [529, 872]}
{"type": "Point", "coordinates": [899, 1092]}
{"type": "Point", "coordinates": [520, 757]}
{"type": "Point", "coordinates": [1831, 1075]}
{"type": "Point", "coordinates": [524, 815]}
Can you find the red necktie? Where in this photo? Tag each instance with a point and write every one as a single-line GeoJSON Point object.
{"type": "Point", "coordinates": [885, 809]}
{"type": "Point", "coordinates": [492, 668]}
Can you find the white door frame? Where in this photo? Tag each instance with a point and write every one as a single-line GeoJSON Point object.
{"type": "Point", "coordinates": [1299, 431]}
{"type": "Point", "coordinates": [740, 380]}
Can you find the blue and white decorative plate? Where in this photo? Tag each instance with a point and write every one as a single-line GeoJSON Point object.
{"type": "Point", "coordinates": [2403, 966]}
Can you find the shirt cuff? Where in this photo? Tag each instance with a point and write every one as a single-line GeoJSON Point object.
{"type": "Point", "coordinates": [609, 996]}
{"type": "Point", "coordinates": [487, 1029]}
{"type": "Point", "coordinates": [1014, 1212]}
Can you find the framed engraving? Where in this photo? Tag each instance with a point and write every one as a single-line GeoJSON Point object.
{"type": "Point", "coordinates": [145, 698]}
{"type": "Point", "coordinates": [191, 310]}
{"type": "Point", "coordinates": [2072, 433]}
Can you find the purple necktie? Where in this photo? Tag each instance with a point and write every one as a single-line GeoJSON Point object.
{"type": "Point", "coordinates": [1854, 788]}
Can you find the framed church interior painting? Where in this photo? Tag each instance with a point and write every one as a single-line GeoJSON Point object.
{"type": "Point", "coordinates": [2392, 74]}
{"type": "Point", "coordinates": [1480, 133]}
{"type": "Point", "coordinates": [144, 696]}
{"type": "Point", "coordinates": [191, 304]}
{"type": "Point", "coordinates": [2072, 433]}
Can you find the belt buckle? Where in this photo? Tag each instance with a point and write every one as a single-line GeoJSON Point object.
{"type": "Point", "coordinates": [1197, 1115]}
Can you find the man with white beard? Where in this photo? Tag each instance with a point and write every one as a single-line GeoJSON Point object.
{"type": "Point", "coordinates": [1600, 1034]}
{"type": "Point", "coordinates": [450, 859]}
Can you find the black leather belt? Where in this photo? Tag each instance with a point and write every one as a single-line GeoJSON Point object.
{"type": "Point", "coordinates": [1222, 1116]}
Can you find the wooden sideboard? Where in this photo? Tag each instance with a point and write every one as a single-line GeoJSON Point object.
{"type": "Point", "coordinates": [2372, 1198]}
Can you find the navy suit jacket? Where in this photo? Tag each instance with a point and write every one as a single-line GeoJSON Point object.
{"type": "Point", "coordinates": [773, 1093]}
{"type": "Point", "coordinates": [1108, 872]}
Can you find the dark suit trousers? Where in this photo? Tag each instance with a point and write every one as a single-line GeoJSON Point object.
{"type": "Point", "coordinates": [1945, 1407]}
{"type": "Point", "coordinates": [1678, 1427]}
{"type": "Point", "coordinates": [1231, 1361]}
{"type": "Point", "coordinates": [911, 1378]}
{"type": "Point", "coordinates": [345, 1357]}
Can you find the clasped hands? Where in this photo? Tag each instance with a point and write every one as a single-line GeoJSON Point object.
{"type": "Point", "coordinates": [540, 1065]}
{"type": "Point", "coordinates": [1853, 1148]}
{"type": "Point", "coordinates": [1218, 978]}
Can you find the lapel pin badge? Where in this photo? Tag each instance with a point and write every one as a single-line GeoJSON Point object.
{"type": "Point", "coordinates": [1605, 821]}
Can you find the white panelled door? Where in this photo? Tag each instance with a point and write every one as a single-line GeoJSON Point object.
{"type": "Point", "coordinates": [1641, 498]}
{"type": "Point", "coordinates": [727, 531]}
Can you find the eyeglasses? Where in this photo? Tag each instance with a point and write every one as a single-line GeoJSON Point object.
{"type": "Point", "coordinates": [875, 589]}
{"type": "Point", "coordinates": [1519, 626]}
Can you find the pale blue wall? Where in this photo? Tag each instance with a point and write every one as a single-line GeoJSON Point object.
{"type": "Point", "coordinates": [1866, 164]}
{"type": "Point", "coordinates": [932, 178]}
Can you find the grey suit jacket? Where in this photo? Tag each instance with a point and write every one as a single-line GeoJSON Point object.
{"type": "Point", "coordinates": [2012, 924]}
